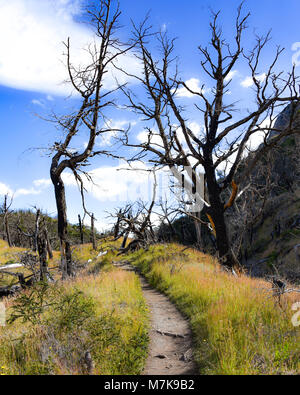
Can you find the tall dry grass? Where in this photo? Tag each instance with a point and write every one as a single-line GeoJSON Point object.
{"type": "Point", "coordinates": [238, 326]}
{"type": "Point", "coordinates": [102, 314]}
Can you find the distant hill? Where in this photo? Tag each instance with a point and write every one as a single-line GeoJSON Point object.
{"type": "Point", "coordinates": [22, 222]}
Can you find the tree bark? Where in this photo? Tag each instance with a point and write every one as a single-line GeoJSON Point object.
{"type": "Point", "coordinates": [62, 225]}
{"type": "Point", "coordinates": [217, 211]}
{"type": "Point", "coordinates": [93, 238]}
{"type": "Point", "coordinates": [36, 231]}
{"type": "Point", "coordinates": [125, 240]}
{"type": "Point", "coordinates": [198, 231]}
{"type": "Point", "coordinates": [42, 250]}
{"type": "Point", "coordinates": [6, 224]}
{"type": "Point", "coordinates": [49, 248]}
{"type": "Point", "coordinates": [80, 229]}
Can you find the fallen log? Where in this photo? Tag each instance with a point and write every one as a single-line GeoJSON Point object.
{"type": "Point", "coordinates": [9, 291]}
{"type": "Point", "coordinates": [20, 276]}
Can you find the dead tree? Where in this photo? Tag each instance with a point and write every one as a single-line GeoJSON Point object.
{"type": "Point", "coordinates": [93, 235]}
{"type": "Point", "coordinates": [42, 250]}
{"type": "Point", "coordinates": [80, 228]}
{"type": "Point", "coordinates": [36, 230]}
{"type": "Point", "coordinates": [88, 83]}
{"type": "Point", "coordinates": [136, 219]}
{"type": "Point", "coordinates": [47, 239]}
{"type": "Point", "coordinates": [224, 138]}
{"type": "Point", "coordinates": [6, 211]}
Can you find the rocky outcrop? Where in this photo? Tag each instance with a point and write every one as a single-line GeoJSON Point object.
{"type": "Point", "coordinates": [271, 244]}
{"type": "Point", "coordinates": [284, 118]}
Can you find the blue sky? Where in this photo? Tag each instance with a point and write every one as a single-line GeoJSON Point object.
{"type": "Point", "coordinates": [31, 73]}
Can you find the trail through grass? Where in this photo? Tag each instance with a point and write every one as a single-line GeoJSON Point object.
{"type": "Point", "coordinates": [102, 313]}
{"type": "Point", "coordinates": [238, 327]}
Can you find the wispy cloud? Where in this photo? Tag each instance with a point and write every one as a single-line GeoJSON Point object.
{"type": "Point", "coordinates": [26, 192]}
{"type": "Point", "coordinates": [106, 139]}
{"type": "Point", "coordinates": [248, 81]}
{"type": "Point", "coordinates": [115, 183]}
{"type": "Point", "coordinates": [193, 84]}
{"type": "Point", "coordinates": [42, 183]}
{"type": "Point", "coordinates": [37, 102]}
{"type": "Point", "coordinates": [5, 189]}
{"type": "Point", "coordinates": [231, 75]}
{"type": "Point", "coordinates": [296, 56]}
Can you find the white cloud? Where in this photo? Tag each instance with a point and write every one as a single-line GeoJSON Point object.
{"type": "Point", "coordinates": [296, 56]}
{"type": "Point", "coordinates": [193, 84]}
{"type": "Point", "coordinates": [38, 102]}
{"type": "Point", "coordinates": [32, 51]}
{"type": "Point", "coordinates": [255, 141]}
{"type": "Point", "coordinates": [257, 138]}
{"type": "Point", "coordinates": [116, 183]}
{"type": "Point", "coordinates": [26, 192]}
{"type": "Point", "coordinates": [231, 75]}
{"type": "Point", "coordinates": [43, 183]}
{"type": "Point", "coordinates": [106, 139]}
{"type": "Point", "coordinates": [5, 189]}
{"type": "Point", "coordinates": [155, 138]}
{"type": "Point", "coordinates": [195, 127]}
{"type": "Point", "coordinates": [248, 81]}
{"type": "Point", "coordinates": [163, 28]}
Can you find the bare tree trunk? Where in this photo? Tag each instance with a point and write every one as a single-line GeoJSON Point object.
{"type": "Point", "coordinates": [125, 240]}
{"type": "Point", "coordinates": [93, 238]}
{"type": "Point", "coordinates": [42, 250]}
{"type": "Point", "coordinates": [198, 231]}
{"type": "Point", "coordinates": [217, 214]}
{"type": "Point", "coordinates": [6, 224]}
{"type": "Point", "coordinates": [48, 243]}
{"type": "Point", "coordinates": [117, 226]}
{"type": "Point", "coordinates": [62, 225]}
{"type": "Point", "coordinates": [36, 230]}
{"type": "Point", "coordinates": [80, 229]}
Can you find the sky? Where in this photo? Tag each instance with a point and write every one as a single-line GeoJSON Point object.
{"type": "Point", "coordinates": [32, 72]}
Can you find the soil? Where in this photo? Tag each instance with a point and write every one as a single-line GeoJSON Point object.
{"type": "Point", "coordinates": [171, 346]}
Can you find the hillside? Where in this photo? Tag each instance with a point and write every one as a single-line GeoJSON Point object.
{"type": "Point", "coordinates": [272, 216]}
{"type": "Point", "coordinates": [22, 224]}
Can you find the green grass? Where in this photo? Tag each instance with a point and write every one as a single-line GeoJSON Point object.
{"type": "Point", "coordinates": [103, 313]}
{"type": "Point", "coordinates": [238, 328]}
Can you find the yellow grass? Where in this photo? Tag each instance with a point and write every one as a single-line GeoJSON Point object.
{"type": "Point", "coordinates": [7, 254]}
{"type": "Point", "coordinates": [238, 326]}
{"type": "Point", "coordinates": [114, 329]}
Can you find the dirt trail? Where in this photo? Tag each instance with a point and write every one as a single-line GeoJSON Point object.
{"type": "Point", "coordinates": [170, 350]}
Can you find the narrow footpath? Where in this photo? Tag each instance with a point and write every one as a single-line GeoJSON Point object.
{"type": "Point", "coordinates": [170, 349]}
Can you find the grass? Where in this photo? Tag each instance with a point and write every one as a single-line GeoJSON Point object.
{"type": "Point", "coordinates": [10, 255]}
{"type": "Point", "coordinates": [102, 313]}
{"type": "Point", "coordinates": [238, 327]}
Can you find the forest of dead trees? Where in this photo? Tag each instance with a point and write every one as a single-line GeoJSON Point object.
{"type": "Point", "coordinates": [231, 202]}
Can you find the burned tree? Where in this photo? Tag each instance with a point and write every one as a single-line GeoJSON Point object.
{"type": "Point", "coordinates": [173, 143]}
{"type": "Point", "coordinates": [135, 219]}
{"type": "Point", "coordinates": [92, 235]}
{"type": "Point", "coordinates": [80, 224]}
{"type": "Point", "coordinates": [88, 83]}
{"type": "Point", "coordinates": [5, 209]}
